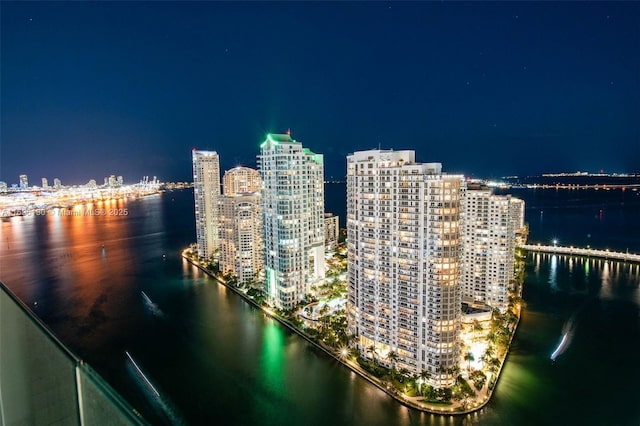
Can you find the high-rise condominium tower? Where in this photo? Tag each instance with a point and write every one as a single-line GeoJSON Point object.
{"type": "Point", "coordinates": [241, 180]}
{"type": "Point", "coordinates": [403, 240]}
{"type": "Point", "coordinates": [489, 228]}
{"type": "Point", "coordinates": [206, 190]}
{"type": "Point", "coordinates": [293, 209]}
{"type": "Point", "coordinates": [517, 215]}
{"type": "Point", "coordinates": [241, 239]}
{"type": "Point", "coordinates": [331, 230]}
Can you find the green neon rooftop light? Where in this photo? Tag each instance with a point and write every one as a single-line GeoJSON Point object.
{"type": "Point", "coordinates": [269, 139]}
{"type": "Point", "coordinates": [276, 138]}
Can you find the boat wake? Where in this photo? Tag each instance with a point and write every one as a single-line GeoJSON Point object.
{"type": "Point", "coordinates": [152, 307]}
{"type": "Point", "coordinates": [564, 342]}
{"type": "Point", "coordinates": [567, 335]}
{"type": "Point", "coordinates": [160, 403]}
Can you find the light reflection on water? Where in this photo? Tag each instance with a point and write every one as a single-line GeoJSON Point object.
{"type": "Point", "coordinates": [605, 283]}
{"type": "Point", "coordinates": [553, 271]}
{"type": "Point", "coordinates": [606, 278]}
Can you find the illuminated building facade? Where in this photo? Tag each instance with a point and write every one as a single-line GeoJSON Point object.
{"type": "Point", "coordinates": [403, 240]}
{"type": "Point", "coordinates": [45, 183]}
{"type": "Point", "coordinates": [241, 239]}
{"type": "Point", "coordinates": [517, 216]}
{"type": "Point", "coordinates": [206, 190]}
{"type": "Point", "coordinates": [331, 230]}
{"type": "Point", "coordinates": [489, 239]}
{"type": "Point", "coordinates": [241, 180]}
{"type": "Point", "coordinates": [293, 209]}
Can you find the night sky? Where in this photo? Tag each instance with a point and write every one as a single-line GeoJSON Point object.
{"type": "Point", "coordinates": [91, 89]}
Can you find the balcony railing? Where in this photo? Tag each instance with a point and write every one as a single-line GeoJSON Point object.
{"type": "Point", "coordinates": [44, 383]}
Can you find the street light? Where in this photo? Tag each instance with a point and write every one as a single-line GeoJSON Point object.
{"type": "Point", "coordinates": [344, 354]}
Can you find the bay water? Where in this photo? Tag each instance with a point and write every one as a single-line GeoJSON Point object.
{"type": "Point", "coordinates": [217, 360]}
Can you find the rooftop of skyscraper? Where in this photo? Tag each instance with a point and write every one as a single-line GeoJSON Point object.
{"type": "Point", "coordinates": [279, 137]}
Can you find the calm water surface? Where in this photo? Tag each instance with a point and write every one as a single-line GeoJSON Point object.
{"type": "Point", "coordinates": [217, 360]}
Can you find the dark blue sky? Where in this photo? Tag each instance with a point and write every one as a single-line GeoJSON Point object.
{"type": "Point", "coordinates": [488, 89]}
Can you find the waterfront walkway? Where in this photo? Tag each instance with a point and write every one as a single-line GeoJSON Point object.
{"type": "Point", "coordinates": [586, 252]}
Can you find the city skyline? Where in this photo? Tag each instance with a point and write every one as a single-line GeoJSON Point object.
{"type": "Point", "coordinates": [487, 89]}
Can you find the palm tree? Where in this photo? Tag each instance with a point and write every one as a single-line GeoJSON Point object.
{"type": "Point", "coordinates": [404, 372]}
{"type": "Point", "coordinates": [490, 351]}
{"type": "Point", "coordinates": [422, 379]}
{"type": "Point", "coordinates": [372, 350]}
{"type": "Point", "coordinates": [425, 375]}
{"type": "Point", "coordinates": [392, 356]}
{"type": "Point", "coordinates": [488, 354]}
{"type": "Point", "coordinates": [469, 357]}
{"type": "Point", "coordinates": [413, 379]}
{"type": "Point", "coordinates": [494, 364]}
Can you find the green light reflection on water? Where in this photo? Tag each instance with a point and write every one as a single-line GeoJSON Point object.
{"type": "Point", "coordinates": [271, 359]}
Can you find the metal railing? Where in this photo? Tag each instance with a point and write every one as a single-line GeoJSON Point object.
{"type": "Point", "coordinates": [42, 382]}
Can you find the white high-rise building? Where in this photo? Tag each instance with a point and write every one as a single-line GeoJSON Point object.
{"type": "Point", "coordinates": [293, 209]}
{"type": "Point", "coordinates": [489, 230]}
{"type": "Point", "coordinates": [403, 239]}
{"type": "Point", "coordinates": [331, 230]}
{"type": "Point", "coordinates": [206, 191]}
{"type": "Point", "coordinates": [241, 238]}
{"type": "Point", "coordinates": [57, 183]}
{"type": "Point", "coordinates": [45, 183]}
{"type": "Point", "coordinates": [517, 213]}
{"type": "Point", "coordinates": [517, 216]}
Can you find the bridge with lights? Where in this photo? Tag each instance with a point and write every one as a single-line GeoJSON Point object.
{"type": "Point", "coordinates": [586, 252]}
